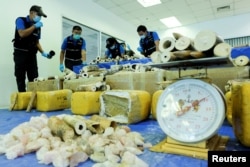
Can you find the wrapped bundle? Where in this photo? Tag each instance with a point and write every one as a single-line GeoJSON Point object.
{"type": "Point", "coordinates": [20, 100]}
{"type": "Point", "coordinates": [154, 102]}
{"type": "Point", "coordinates": [240, 113]}
{"type": "Point", "coordinates": [85, 103]}
{"type": "Point", "coordinates": [125, 106]}
{"type": "Point", "coordinates": [78, 125]}
{"type": "Point", "coordinates": [53, 100]}
{"type": "Point", "coordinates": [60, 128]}
{"type": "Point", "coordinates": [229, 111]}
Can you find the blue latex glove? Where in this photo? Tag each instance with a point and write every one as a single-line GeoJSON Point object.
{"type": "Point", "coordinates": [84, 63]}
{"type": "Point", "coordinates": [38, 24]}
{"type": "Point", "coordinates": [61, 67]}
{"type": "Point", "coordinates": [44, 54]}
{"type": "Point", "coordinates": [128, 47]}
{"type": "Point", "coordinates": [139, 49]}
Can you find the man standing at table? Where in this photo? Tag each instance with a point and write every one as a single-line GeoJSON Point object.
{"type": "Point", "coordinates": [149, 41]}
{"type": "Point", "coordinates": [73, 50]}
{"type": "Point", "coordinates": [26, 44]}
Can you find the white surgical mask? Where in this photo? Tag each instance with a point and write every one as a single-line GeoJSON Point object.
{"type": "Point", "coordinates": [112, 47]}
{"type": "Point", "coordinates": [142, 36]}
{"type": "Point", "coordinates": [37, 19]}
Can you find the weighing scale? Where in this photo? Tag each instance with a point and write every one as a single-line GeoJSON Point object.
{"type": "Point", "coordinates": [191, 111]}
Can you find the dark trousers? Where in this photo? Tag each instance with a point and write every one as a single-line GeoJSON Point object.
{"type": "Point", "coordinates": [25, 63]}
{"type": "Point", "coordinates": [71, 63]}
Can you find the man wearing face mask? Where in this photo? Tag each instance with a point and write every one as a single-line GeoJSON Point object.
{"type": "Point", "coordinates": [26, 44]}
{"type": "Point", "coordinates": [73, 50]}
{"type": "Point", "coordinates": [149, 41]}
{"type": "Point", "coordinates": [114, 49]}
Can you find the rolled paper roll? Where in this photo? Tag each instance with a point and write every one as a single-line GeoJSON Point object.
{"type": "Point", "coordinates": [66, 77]}
{"type": "Point", "coordinates": [90, 87]}
{"type": "Point", "coordinates": [241, 60]}
{"type": "Point", "coordinates": [39, 79]}
{"type": "Point", "coordinates": [90, 68]}
{"type": "Point", "coordinates": [116, 67]}
{"type": "Point", "coordinates": [70, 76]}
{"type": "Point", "coordinates": [206, 40]}
{"type": "Point", "coordinates": [52, 77]}
{"type": "Point", "coordinates": [183, 43]}
{"type": "Point", "coordinates": [61, 129]}
{"type": "Point", "coordinates": [156, 57]}
{"type": "Point", "coordinates": [177, 35]}
{"type": "Point", "coordinates": [222, 49]}
{"type": "Point", "coordinates": [67, 71]}
{"type": "Point", "coordinates": [132, 67]}
{"type": "Point", "coordinates": [197, 54]}
{"type": "Point", "coordinates": [138, 56]}
{"type": "Point", "coordinates": [93, 126]}
{"type": "Point", "coordinates": [99, 84]}
{"type": "Point", "coordinates": [104, 122]}
{"type": "Point", "coordinates": [167, 43]}
{"type": "Point", "coordinates": [107, 87]}
{"type": "Point", "coordinates": [98, 58]}
{"type": "Point", "coordinates": [167, 56]}
{"type": "Point", "coordinates": [85, 75]}
{"type": "Point", "coordinates": [78, 125]}
{"type": "Point", "coordinates": [184, 54]}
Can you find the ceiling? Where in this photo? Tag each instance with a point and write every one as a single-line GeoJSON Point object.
{"type": "Point", "coordinates": [186, 11]}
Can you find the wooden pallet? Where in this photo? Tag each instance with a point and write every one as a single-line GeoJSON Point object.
{"type": "Point", "coordinates": [196, 150]}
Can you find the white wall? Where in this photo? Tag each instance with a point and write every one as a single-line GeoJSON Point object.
{"type": "Point", "coordinates": [229, 27]}
{"type": "Point", "coordinates": [88, 13]}
{"type": "Point", "coordinates": [82, 11]}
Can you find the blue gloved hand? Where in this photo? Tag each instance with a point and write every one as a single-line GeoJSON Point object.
{"type": "Point", "coordinates": [128, 47]}
{"type": "Point", "coordinates": [38, 24]}
{"type": "Point", "coordinates": [84, 63]}
{"type": "Point", "coordinates": [61, 67]}
{"type": "Point", "coordinates": [44, 54]}
{"type": "Point", "coordinates": [139, 49]}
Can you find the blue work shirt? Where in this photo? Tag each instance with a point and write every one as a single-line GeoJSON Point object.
{"type": "Point", "coordinates": [21, 26]}
{"type": "Point", "coordinates": [64, 44]}
{"type": "Point", "coordinates": [155, 37]}
{"type": "Point", "coordinates": [108, 52]}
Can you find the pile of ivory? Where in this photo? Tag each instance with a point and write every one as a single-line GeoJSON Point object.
{"type": "Point", "coordinates": [205, 44]}
{"type": "Point", "coordinates": [94, 71]}
{"type": "Point", "coordinates": [54, 141]}
{"type": "Point", "coordinates": [100, 59]}
{"type": "Point", "coordinates": [40, 79]}
{"type": "Point", "coordinates": [85, 72]}
{"type": "Point", "coordinates": [93, 87]}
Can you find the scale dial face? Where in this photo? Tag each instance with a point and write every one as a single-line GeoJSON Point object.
{"type": "Point", "coordinates": [190, 110]}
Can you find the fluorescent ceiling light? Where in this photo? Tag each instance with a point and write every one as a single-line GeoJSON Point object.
{"type": "Point", "coordinates": [171, 22]}
{"type": "Point", "coordinates": [147, 3]}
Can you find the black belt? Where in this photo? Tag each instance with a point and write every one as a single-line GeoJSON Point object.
{"type": "Point", "coordinates": [25, 50]}
{"type": "Point", "coordinates": [73, 59]}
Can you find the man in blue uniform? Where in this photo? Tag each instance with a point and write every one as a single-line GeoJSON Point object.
{"type": "Point", "coordinates": [26, 44]}
{"type": "Point", "coordinates": [149, 41]}
{"type": "Point", "coordinates": [114, 49]}
{"type": "Point", "coordinates": [73, 50]}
